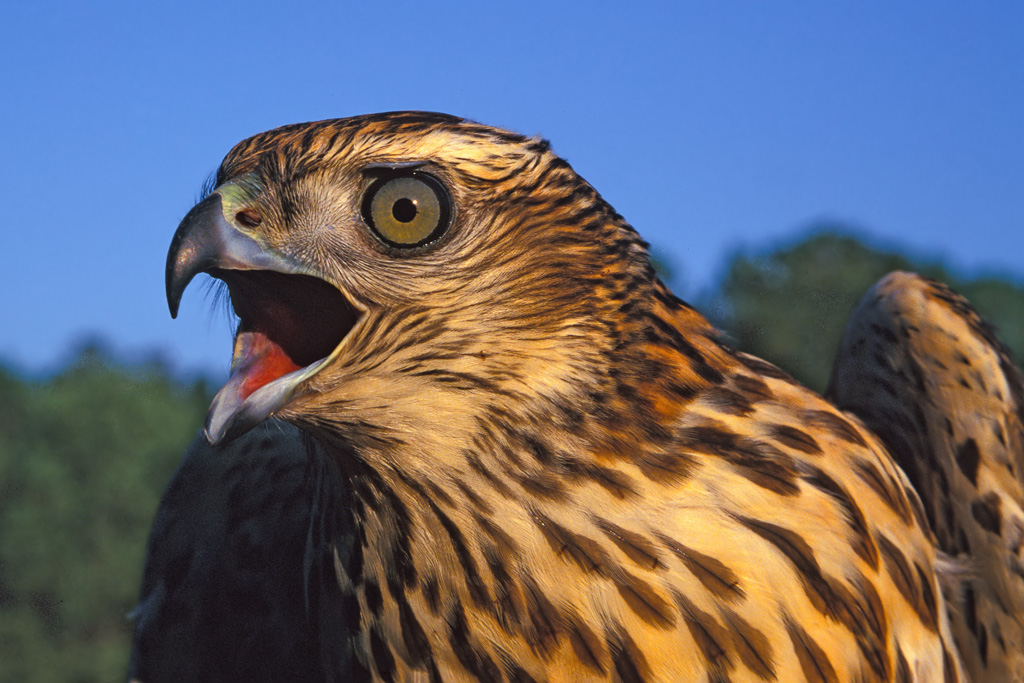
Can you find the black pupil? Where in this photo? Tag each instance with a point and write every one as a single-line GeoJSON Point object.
{"type": "Point", "coordinates": [404, 210]}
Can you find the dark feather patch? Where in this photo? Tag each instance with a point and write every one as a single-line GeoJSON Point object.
{"type": "Point", "coordinates": [470, 655]}
{"type": "Point", "coordinates": [667, 467]}
{"type": "Point", "coordinates": [870, 475]}
{"type": "Point", "coordinates": [417, 646]}
{"type": "Point", "coordinates": [643, 599]}
{"type": "Point", "coordinates": [817, 587]}
{"type": "Point", "coordinates": [629, 662]}
{"type": "Point", "coordinates": [585, 552]}
{"type": "Point", "coordinates": [759, 462]}
{"type": "Point", "coordinates": [612, 480]}
{"type": "Point", "coordinates": [835, 425]}
{"type": "Point", "coordinates": [588, 647]}
{"type": "Point", "coordinates": [723, 582]}
{"type": "Point", "coordinates": [383, 660]}
{"type": "Point", "coordinates": [752, 646]}
{"type": "Point", "coordinates": [902, 668]}
{"type": "Point", "coordinates": [968, 458]}
{"type": "Point", "coordinates": [507, 605]}
{"type": "Point", "coordinates": [637, 547]}
{"type": "Point", "coordinates": [755, 388]}
{"type": "Point", "coordinates": [796, 439]}
{"type": "Point", "coordinates": [474, 583]}
{"type": "Point", "coordinates": [906, 580]}
{"type": "Point", "coordinates": [863, 544]}
{"type": "Point", "coordinates": [986, 513]}
{"type": "Point", "coordinates": [545, 625]}
{"type": "Point", "coordinates": [815, 663]}
{"type": "Point", "coordinates": [709, 635]}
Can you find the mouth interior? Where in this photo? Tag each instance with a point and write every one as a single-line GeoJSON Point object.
{"type": "Point", "coordinates": [287, 322]}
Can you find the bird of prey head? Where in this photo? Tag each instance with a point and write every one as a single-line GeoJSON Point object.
{"type": "Point", "coordinates": [389, 270]}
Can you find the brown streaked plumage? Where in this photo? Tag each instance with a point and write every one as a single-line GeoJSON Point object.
{"type": "Point", "coordinates": [928, 375]}
{"type": "Point", "coordinates": [542, 466]}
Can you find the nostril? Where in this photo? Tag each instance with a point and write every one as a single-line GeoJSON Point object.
{"type": "Point", "coordinates": [250, 218]}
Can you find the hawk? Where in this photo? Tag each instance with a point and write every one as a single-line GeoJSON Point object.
{"type": "Point", "coordinates": [522, 458]}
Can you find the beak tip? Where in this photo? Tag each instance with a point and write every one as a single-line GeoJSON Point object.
{"type": "Point", "coordinates": [173, 302]}
{"type": "Point", "coordinates": [211, 439]}
{"type": "Point", "coordinates": [192, 249]}
{"type": "Point", "coordinates": [214, 430]}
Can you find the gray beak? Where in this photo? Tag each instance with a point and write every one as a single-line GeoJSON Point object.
{"type": "Point", "coordinates": [207, 239]}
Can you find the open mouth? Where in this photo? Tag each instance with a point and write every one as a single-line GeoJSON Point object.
{"type": "Point", "coordinates": [290, 323]}
{"type": "Point", "coordinates": [286, 323]}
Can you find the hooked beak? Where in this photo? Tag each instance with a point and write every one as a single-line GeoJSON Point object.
{"type": "Point", "coordinates": [291, 321]}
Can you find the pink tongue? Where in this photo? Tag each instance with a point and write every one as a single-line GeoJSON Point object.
{"type": "Point", "coordinates": [260, 361]}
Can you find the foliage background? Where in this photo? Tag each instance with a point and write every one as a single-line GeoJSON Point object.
{"type": "Point", "coordinates": [84, 456]}
{"type": "Point", "coordinates": [85, 453]}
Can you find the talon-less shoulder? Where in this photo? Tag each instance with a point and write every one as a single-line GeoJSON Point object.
{"type": "Point", "coordinates": [524, 459]}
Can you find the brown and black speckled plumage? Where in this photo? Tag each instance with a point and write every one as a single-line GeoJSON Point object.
{"type": "Point", "coordinates": [928, 375]}
{"type": "Point", "coordinates": [533, 463]}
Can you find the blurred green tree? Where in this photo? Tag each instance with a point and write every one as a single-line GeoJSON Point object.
{"type": "Point", "coordinates": [84, 458]}
{"type": "Point", "coordinates": [790, 305]}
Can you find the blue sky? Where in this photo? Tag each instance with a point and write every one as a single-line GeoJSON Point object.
{"type": "Point", "coordinates": [710, 126]}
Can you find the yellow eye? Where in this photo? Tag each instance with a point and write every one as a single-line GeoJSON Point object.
{"type": "Point", "coordinates": [407, 211]}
